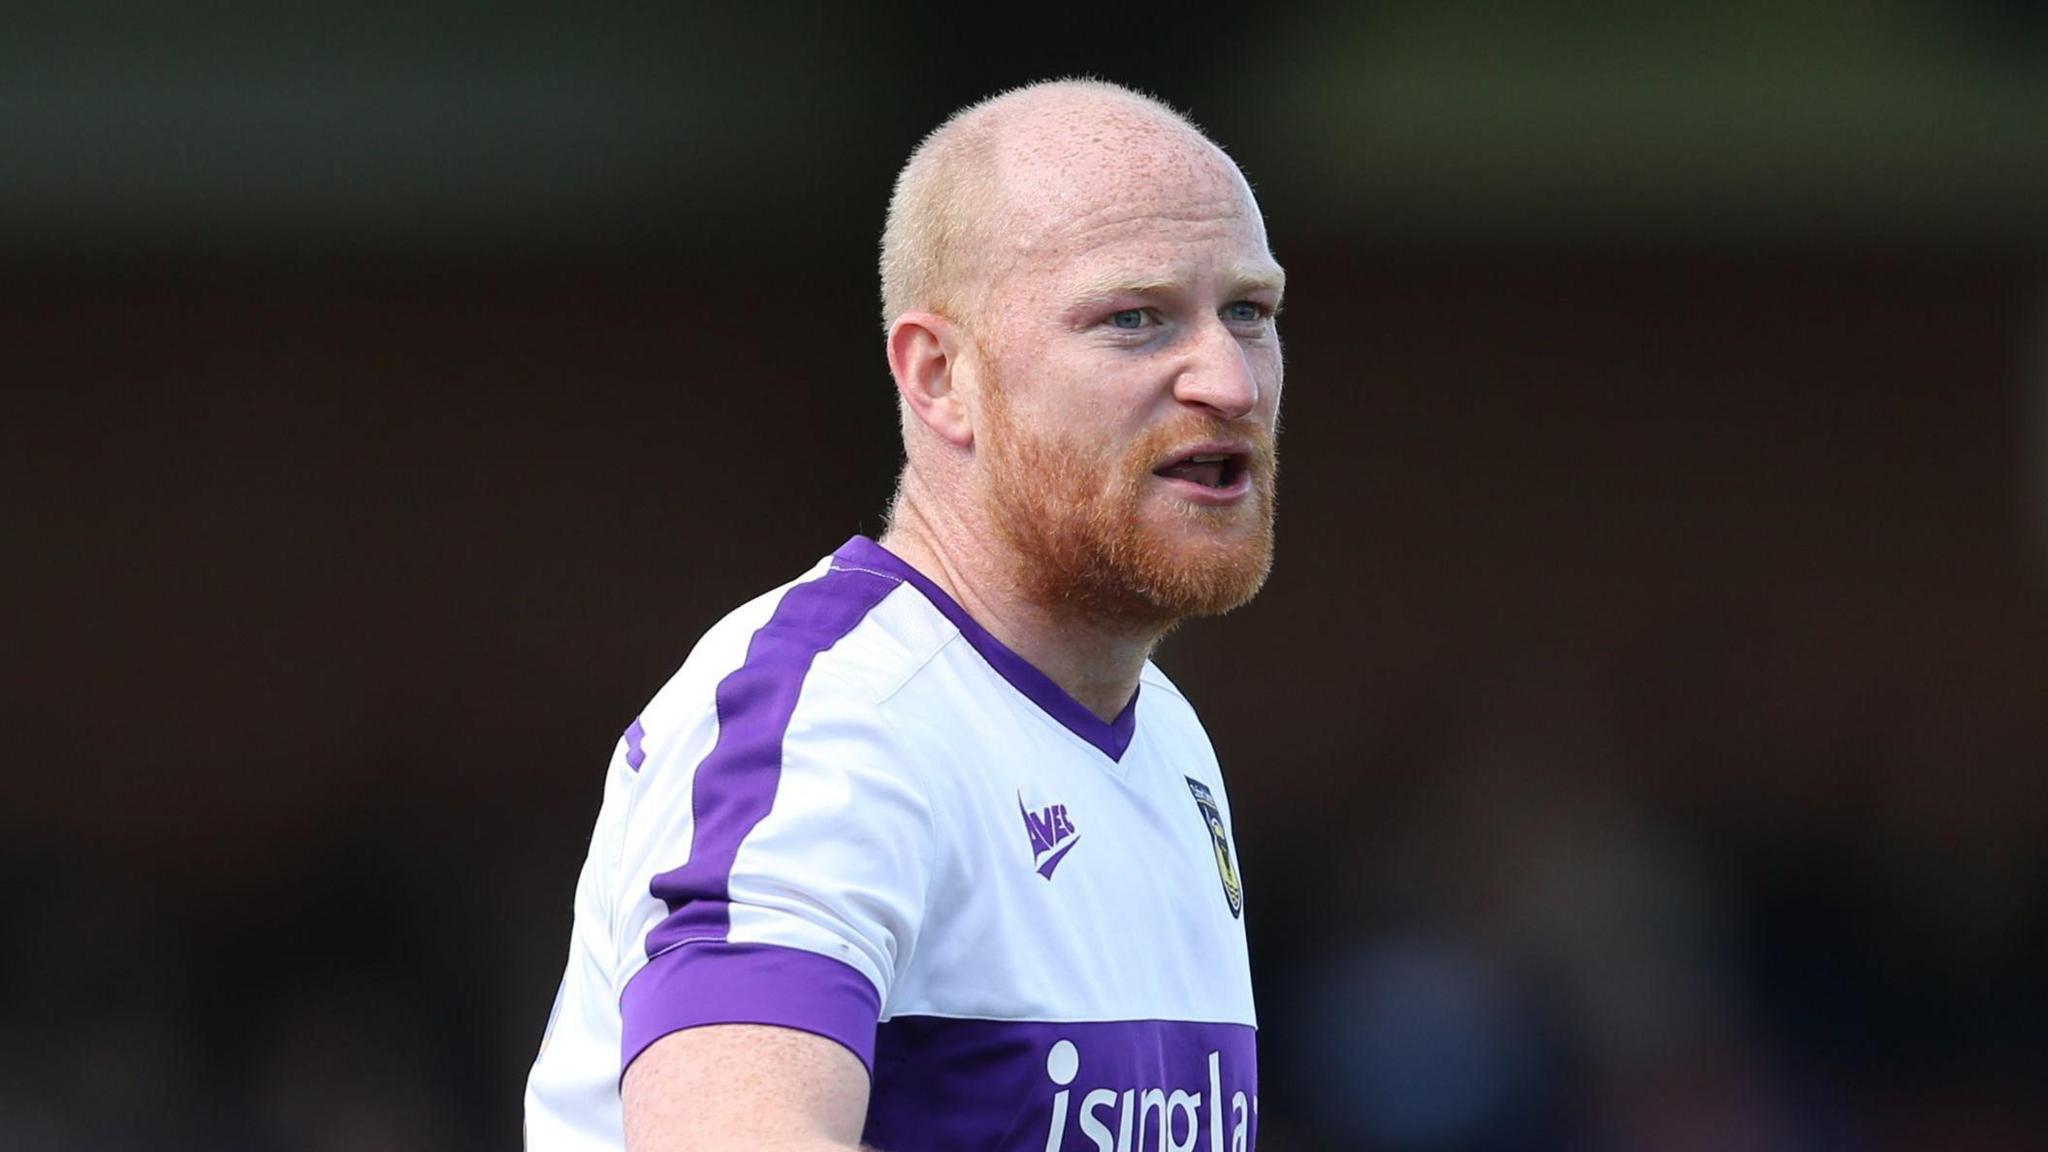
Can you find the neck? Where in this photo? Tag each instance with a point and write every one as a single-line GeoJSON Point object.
{"type": "Point", "coordinates": [1095, 663]}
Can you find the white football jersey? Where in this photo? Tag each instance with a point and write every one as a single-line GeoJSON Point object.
{"type": "Point", "coordinates": [856, 813]}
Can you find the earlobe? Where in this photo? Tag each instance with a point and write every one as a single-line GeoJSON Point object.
{"type": "Point", "coordinates": [927, 358]}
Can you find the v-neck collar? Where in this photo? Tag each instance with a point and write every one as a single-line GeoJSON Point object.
{"type": "Point", "coordinates": [1111, 737]}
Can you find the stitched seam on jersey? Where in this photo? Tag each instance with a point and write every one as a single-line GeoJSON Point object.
{"type": "Point", "coordinates": [620, 992]}
{"type": "Point", "coordinates": [701, 940]}
{"type": "Point", "coordinates": [680, 944]}
{"type": "Point", "coordinates": [931, 856]}
{"type": "Point", "coordinates": [921, 665]}
{"type": "Point", "coordinates": [903, 680]}
{"type": "Point", "coordinates": [931, 816]}
{"type": "Point", "coordinates": [889, 576]}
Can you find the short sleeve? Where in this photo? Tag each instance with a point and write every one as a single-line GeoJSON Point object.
{"type": "Point", "coordinates": [778, 860]}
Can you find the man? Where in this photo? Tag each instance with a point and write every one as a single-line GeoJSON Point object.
{"type": "Point", "coordinates": [920, 851]}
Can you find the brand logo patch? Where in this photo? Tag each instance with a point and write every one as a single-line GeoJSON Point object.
{"type": "Point", "coordinates": [1052, 833]}
{"type": "Point", "coordinates": [1233, 889]}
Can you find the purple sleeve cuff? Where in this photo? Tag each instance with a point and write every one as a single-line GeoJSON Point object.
{"type": "Point", "coordinates": [712, 982]}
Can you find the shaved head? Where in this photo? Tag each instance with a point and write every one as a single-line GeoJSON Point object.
{"type": "Point", "coordinates": [980, 181]}
{"type": "Point", "coordinates": [1080, 298]}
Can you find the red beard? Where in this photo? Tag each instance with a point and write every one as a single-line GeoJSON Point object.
{"type": "Point", "coordinates": [1076, 520]}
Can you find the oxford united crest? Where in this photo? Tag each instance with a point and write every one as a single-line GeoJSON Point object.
{"type": "Point", "coordinates": [1226, 868]}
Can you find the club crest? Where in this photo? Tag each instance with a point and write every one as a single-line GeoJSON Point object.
{"type": "Point", "coordinates": [1226, 868]}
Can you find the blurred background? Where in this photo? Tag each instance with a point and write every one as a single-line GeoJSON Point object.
{"type": "Point", "coordinates": [1639, 746]}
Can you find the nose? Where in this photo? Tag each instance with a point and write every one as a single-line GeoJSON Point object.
{"type": "Point", "coordinates": [1217, 375]}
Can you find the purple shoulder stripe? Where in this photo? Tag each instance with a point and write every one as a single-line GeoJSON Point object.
{"type": "Point", "coordinates": [735, 784]}
{"type": "Point", "coordinates": [693, 975]}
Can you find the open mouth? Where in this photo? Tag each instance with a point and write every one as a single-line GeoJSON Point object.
{"type": "Point", "coordinates": [1220, 471]}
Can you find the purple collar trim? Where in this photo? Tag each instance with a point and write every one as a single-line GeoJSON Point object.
{"type": "Point", "coordinates": [1110, 738]}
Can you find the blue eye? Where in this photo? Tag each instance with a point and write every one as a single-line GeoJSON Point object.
{"type": "Point", "coordinates": [1243, 312]}
{"type": "Point", "coordinates": [1130, 319]}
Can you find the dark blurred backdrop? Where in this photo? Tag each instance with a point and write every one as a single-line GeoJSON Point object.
{"type": "Point", "coordinates": [1639, 746]}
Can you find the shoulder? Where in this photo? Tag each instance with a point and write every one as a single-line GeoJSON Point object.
{"type": "Point", "coordinates": [721, 649]}
{"type": "Point", "coordinates": [831, 643]}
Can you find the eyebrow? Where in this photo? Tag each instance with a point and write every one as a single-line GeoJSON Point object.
{"type": "Point", "coordinates": [1242, 279]}
{"type": "Point", "coordinates": [1262, 278]}
{"type": "Point", "coordinates": [1118, 284]}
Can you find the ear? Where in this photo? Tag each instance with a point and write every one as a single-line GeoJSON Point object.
{"type": "Point", "coordinates": [928, 357]}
